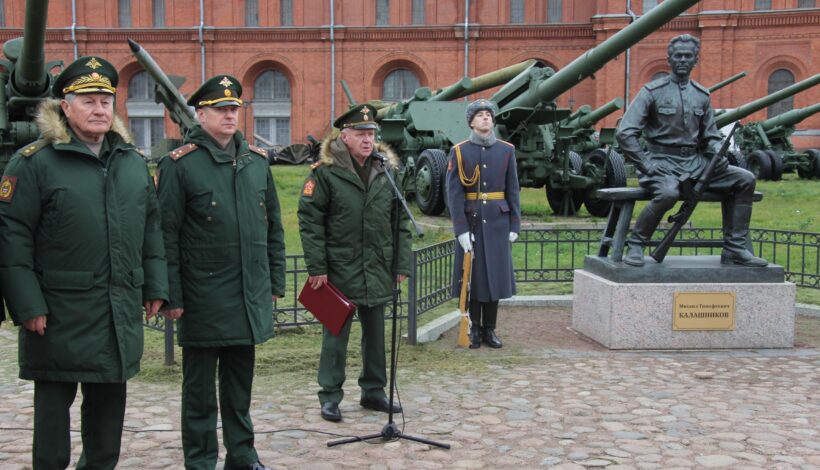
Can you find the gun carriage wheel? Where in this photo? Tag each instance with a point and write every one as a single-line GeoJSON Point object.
{"type": "Point", "coordinates": [814, 165]}
{"type": "Point", "coordinates": [430, 172]}
{"type": "Point", "coordinates": [777, 165]}
{"type": "Point", "coordinates": [567, 201]}
{"type": "Point", "coordinates": [612, 168]}
{"type": "Point", "coordinates": [760, 164]}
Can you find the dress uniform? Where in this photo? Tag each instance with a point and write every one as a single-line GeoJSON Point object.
{"type": "Point", "coordinates": [483, 198]}
{"type": "Point", "coordinates": [226, 259]}
{"type": "Point", "coordinates": [346, 216]}
{"type": "Point", "coordinates": [81, 243]}
{"type": "Point", "coordinates": [674, 115]}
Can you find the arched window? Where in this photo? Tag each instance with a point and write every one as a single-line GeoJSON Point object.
{"type": "Point", "coordinates": [658, 75]}
{"type": "Point", "coordinates": [399, 84]}
{"type": "Point", "coordinates": [146, 118]}
{"type": "Point", "coordinates": [779, 80]}
{"type": "Point", "coordinates": [271, 109]}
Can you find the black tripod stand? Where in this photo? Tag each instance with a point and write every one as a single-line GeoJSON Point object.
{"type": "Point", "coordinates": [390, 431]}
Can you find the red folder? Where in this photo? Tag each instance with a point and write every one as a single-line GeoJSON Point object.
{"type": "Point", "coordinates": [328, 305]}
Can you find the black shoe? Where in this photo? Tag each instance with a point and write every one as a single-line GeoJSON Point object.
{"type": "Point", "coordinates": [379, 404]}
{"type": "Point", "coordinates": [330, 411]}
{"type": "Point", "coordinates": [475, 337]}
{"type": "Point", "coordinates": [490, 339]}
{"type": "Point", "coordinates": [743, 258]}
{"type": "Point", "coordinates": [253, 466]}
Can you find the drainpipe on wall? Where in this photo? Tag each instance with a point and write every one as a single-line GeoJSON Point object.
{"type": "Point", "coordinates": [332, 64]}
{"type": "Point", "coordinates": [627, 71]}
{"type": "Point", "coordinates": [74, 28]}
{"type": "Point", "coordinates": [466, 39]}
{"type": "Point", "coordinates": [202, 40]}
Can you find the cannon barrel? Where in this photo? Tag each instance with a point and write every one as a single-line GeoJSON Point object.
{"type": "Point", "coordinates": [168, 93]}
{"type": "Point", "coordinates": [790, 118]}
{"type": "Point", "coordinates": [768, 100]}
{"type": "Point", "coordinates": [30, 77]}
{"type": "Point", "coordinates": [465, 86]}
{"type": "Point", "coordinates": [717, 86]}
{"type": "Point", "coordinates": [346, 89]}
{"type": "Point", "coordinates": [595, 58]}
{"type": "Point", "coordinates": [590, 119]}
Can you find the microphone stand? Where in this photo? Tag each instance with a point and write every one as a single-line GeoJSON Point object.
{"type": "Point", "coordinates": [390, 431]}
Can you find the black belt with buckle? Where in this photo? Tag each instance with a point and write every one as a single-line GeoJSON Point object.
{"type": "Point", "coordinates": [681, 151]}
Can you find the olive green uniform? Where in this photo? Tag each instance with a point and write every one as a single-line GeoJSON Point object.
{"type": "Point", "coordinates": [226, 257]}
{"type": "Point", "coordinates": [346, 225]}
{"type": "Point", "coordinates": [80, 242]}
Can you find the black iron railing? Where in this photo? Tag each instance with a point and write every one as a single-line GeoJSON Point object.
{"type": "Point", "coordinates": [539, 256]}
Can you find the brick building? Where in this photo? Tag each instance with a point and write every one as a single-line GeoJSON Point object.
{"type": "Point", "coordinates": [289, 53]}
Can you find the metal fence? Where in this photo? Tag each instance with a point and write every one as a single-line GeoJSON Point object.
{"type": "Point", "coordinates": [540, 256]}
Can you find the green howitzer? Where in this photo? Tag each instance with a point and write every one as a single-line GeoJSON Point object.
{"type": "Point", "coordinates": [24, 82]}
{"type": "Point", "coordinates": [423, 128]}
{"type": "Point", "coordinates": [752, 107]}
{"type": "Point", "coordinates": [717, 86]}
{"type": "Point", "coordinates": [768, 152]}
{"type": "Point", "coordinates": [167, 93]}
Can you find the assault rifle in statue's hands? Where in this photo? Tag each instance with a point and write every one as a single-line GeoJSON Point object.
{"type": "Point", "coordinates": [693, 196]}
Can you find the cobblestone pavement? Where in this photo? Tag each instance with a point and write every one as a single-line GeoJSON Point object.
{"type": "Point", "coordinates": [567, 409]}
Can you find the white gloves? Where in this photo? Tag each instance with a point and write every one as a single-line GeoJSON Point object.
{"type": "Point", "coordinates": [464, 241]}
{"type": "Point", "coordinates": [513, 237]}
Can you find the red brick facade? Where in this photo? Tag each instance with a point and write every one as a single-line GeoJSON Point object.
{"type": "Point", "coordinates": [734, 38]}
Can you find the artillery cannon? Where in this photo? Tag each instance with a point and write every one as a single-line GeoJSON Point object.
{"type": "Point", "coordinates": [765, 162]}
{"type": "Point", "coordinates": [167, 93]}
{"type": "Point", "coordinates": [717, 86]}
{"type": "Point", "coordinates": [770, 138]}
{"type": "Point", "coordinates": [423, 128]}
{"type": "Point", "coordinates": [24, 82]}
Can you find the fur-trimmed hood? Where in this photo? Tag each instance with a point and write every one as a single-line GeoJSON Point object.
{"type": "Point", "coordinates": [328, 152]}
{"type": "Point", "coordinates": [54, 128]}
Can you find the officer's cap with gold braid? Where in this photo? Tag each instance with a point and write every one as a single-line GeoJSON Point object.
{"type": "Point", "coordinates": [89, 74]}
{"type": "Point", "coordinates": [361, 116]}
{"type": "Point", "coordinates": [218, 91]}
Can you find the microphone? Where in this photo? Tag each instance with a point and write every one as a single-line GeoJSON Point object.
{"type": "Point", "coordinates": [379, 156]}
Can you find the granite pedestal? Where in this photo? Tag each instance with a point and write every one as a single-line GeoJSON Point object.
{"type": "Point", "coordinates": [624, 307]}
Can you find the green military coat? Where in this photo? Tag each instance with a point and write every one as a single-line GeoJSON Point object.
{"type": "Point", "coordinates": [224, 241]}
{"type": "Point", "coordinates": [345, 226]}
{"type": "Point", "coordinates": [80, 241]}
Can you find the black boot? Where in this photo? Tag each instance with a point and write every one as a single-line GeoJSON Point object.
{"type": "Point", "coordinates": [490, 313]}
{"type": "Point", "coordinates": [644, 227]}
{"type": "Point", "coordinates": [475, 336]}
{"type": "Point", "coordinates": [735, 249]}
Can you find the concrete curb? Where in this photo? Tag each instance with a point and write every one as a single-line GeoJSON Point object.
{"type": "Point", "coordinates": [433, 330]}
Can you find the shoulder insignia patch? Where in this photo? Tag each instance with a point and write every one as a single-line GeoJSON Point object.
{"type": "Point", "coordinates": [654, 84]}
{"type": "Point", "coordinates": [310, 185]}
{"type": "Point", "coordinates": [259, 151]}
{"type": "Point", "coordinates": [180, 152]}
{"type": "Point", "coordinates": [33, 148]}
{"type": "Point", "coordinates": [316, 165]}
{"type": "Point", "coordinates": [7, 185]}
{"type": "Point", "coordinates": [700, 87]}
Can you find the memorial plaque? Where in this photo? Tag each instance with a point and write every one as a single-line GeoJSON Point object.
{"type": "Point", "coordinates": [703, 311]}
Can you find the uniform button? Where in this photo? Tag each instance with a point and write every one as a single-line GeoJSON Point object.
{"type": "Point", "coordinates": [485, 221]}
{"type": "Point", "coordinates": [484, 166]}
{"type": "Point", "coordinates": [261, 204]}
{"type": "Point", "coordinates": [209, 218]}
{"type": "Point", "coordinates": [213, 203]}
{"type": "Point", "coordinates": [485, 183]}
{"type": "Point", "coordinates": [484, 202]}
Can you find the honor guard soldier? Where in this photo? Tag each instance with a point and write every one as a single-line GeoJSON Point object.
{"type": "Point", "coordinates": [482, 195]}
{"type": "Point", "coordinates": [226, 266]}
{"type": "Point", "coordinates": [82, 254]}
{"type": "Point", "coordinates": [674, 115]}
{"type": "Point", "coordinates": [345, 221]}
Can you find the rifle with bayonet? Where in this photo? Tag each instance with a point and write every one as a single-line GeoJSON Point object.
{"type": "Point", "coordinates": [694, 194]}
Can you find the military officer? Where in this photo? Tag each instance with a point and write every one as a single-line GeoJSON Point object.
{"type": "Point", "coordinates": [345, 221]}
{"type": "Point", "coordinates": [82, 254]}
{"type": "Point", "coordinates": [226, 265]}
{"type": "Point", "coordinates": [674, 115]}
{"type": "Point", "coordinates": [482, 194]}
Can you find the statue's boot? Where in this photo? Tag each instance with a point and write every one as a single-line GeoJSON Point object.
{"type": "Point", "coordinates": [735, 235]}
{"type": "Point", "coordinates": [644, 227]}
